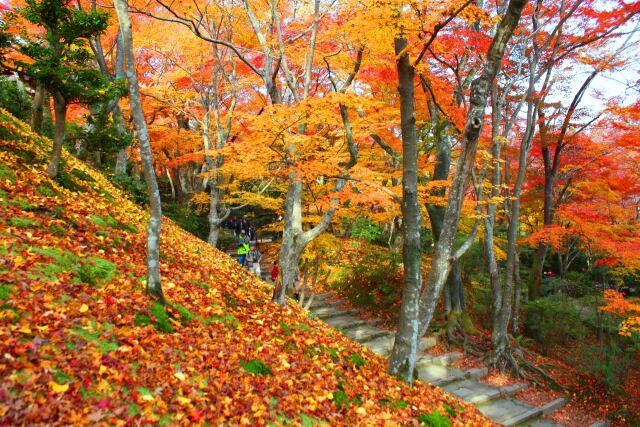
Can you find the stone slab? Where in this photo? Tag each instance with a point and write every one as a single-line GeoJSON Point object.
{"type": "Point", "coordinates": [439, 374]}
{"type": "Point", "coordinates": [554, 405]}
{"type": "Point", "coordinates": [472, 391]}
{"type": "Point", "coordinates": [381, 346]}
{"type": "Point", "coordinates": [509, 412]}
{"type": "Point", "coordinates": [346, 322]}
{"type": "Point", "coordinates": [541, 422]}
{"type": "Point", "coordinates": [364, 333]}
{"type": "Point", "coordinates": [327, 311]}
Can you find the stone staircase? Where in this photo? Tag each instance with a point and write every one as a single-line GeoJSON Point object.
{"type": "Point", "coordinates": [496, 403]}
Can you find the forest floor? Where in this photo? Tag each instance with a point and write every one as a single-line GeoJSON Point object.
{"type": "Point", "coordinates": [82, 343]}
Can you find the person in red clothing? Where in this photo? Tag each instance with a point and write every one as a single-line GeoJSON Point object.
{"type": "Point", "coordinates": [275, 271]}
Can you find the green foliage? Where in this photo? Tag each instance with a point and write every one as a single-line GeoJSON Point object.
{"type": "Point", "coordinates": [187, 218]}
{"type": "Point", "coordinates": [609, 361]}
{"type": "Point", "coordinates": [553, 320]}
{"type": "Point", "coordinates": [21, 222]}
{"type": "Point", "coordinates": [98, 220]}
{"type": "Point", "coordinates": [96, 270]}
{"type": "Point", "coordinates": [136, 190]}
{"type": "Point", "coordinates": [64, 64]}
{"type": "Point", "coordinates": [6, 173]}
{"type": "Point", "coordinates": [47, 190]}
{"type": "Point", "coordinates": [357, 360]}
{"type": "Point", "coordinates": [101, 134]}
{"type": "Point", "coordinates": [185, 315]}
{"type": "Point", "coordinates": [160, 318]}
{"type": "Point", "coordinates": [5, 291]}
{"type": "Point", "coordinates": [256, 366]}
{"type": "Point", "coordinates": [363, 229]}
{"type": "Point", "coordinates": [66, 180]}
{"type": "Point", "coordinates": [373, 280]}
{"type": "Point", "coordinates": [228, 320]}
{"type": "Point", "coordinates": [434, 419]}
{"type": "Point", "coordinates": [15, 99]}
{"type": "Point", "coordinates": [82, 175]}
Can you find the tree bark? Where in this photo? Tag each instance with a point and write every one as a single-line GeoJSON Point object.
{"type": "Point", "coordinates": [406, 340]}
{"type": "Point", "coordinates": [60, 110]}
{"type": "Point", "coordinates": [441, 261]}
{"type": "Point", "coordinates": [154, 287]}
{"type": "Point", "coordinates": [37, 110]}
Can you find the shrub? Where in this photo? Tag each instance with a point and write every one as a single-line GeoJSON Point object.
{"type": "Point", "coordinates": [363, 229]}
{"type": "Point", "coordinates": [553, 320]}
{"type": "Point", "coordinates": [373, 280]}
{"type": "Point", "coordinates": [15, 99]}
{"type": "Point", "coordinates": [137, 190]}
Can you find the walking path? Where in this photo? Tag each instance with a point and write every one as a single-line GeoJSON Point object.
{"type": "Point", "coordinates": [495, 402]}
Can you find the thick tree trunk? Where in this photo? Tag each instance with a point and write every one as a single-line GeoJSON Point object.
{"type": "Point", "coordinates": [441, 261]}
{"type": "Point", "coordinates": [289, 257]}
{"type": "Point", "coordinates": [154, 287]}
{"type": "Point", "coordinates": [37, 110]}
{"type": "Point", "coordinates": [406, 340]}
{"type": "Point", "coordinates": [60, 109]}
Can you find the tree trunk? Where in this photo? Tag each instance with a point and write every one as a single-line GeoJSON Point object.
{"type": "Point", "coordinates": [60, 109]}
{"type": "Point", "coordinates": [441, 261]}
{"type": "Point", "coordinates": [406, 340]}
{"type": "Point", "coordinates": [121, 163]}
{"type": "Point", "coordinates": [154, 287]}
{"type": "Point", "coordinates": [537, 268]}
{"type": "Point", "coordinates": [454, 289]}
{"type": "Point", "coordinates": [289, 257]}
{"type": "Point", "coordinates": [214, 218]}
{"type": "Point", "coordinates": [517, 290]}
{"type": "Point", "coordinates": [37, 110]}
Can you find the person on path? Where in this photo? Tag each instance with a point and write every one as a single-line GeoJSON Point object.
{"type": "Point", "coordinates": [237, 228]}
{"type": "Point", "coordinates": [243, 248]}
{"type": "Point", "coordinates": [275, 271]}
{"type": "Point", "coordinates": [253, 260]}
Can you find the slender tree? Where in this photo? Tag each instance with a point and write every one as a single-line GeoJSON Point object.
{"type": "Point", "coordinates": [154, 287]}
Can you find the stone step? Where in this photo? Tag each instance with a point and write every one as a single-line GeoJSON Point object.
{"type": "Point", "coordinates": [510, 390]}
{"type": "Point", "coordinates": [346, 322]}
{"type": "Point", "coordinates": [472, 391]}
{"type": "Point", "coordinates": [438, 374]}
{"type": "Point", "coordinates": [443, 359]}
{"type": "Point", "coordinates": [365, 333]}
{"type": "Point", "coordinates": [328, 311]}
{"type": "Point", "coordinates": [541, 422]}
{"type": "Point", "coordinates": [509, 412]}
{"type": "Point", "coordinates": [554, 405]}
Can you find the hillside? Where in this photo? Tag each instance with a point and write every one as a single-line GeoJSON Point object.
{"type": "Point", "coordinates": [83, 344]}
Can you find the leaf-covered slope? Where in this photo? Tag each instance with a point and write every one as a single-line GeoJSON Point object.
{"type": "Point", "coordinates": [80, 342]}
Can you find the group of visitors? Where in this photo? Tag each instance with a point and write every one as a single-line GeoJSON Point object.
{"type": "Point", "coordinates": [238, 226]}
{"type": "Point", "coordinates": [248, 254]}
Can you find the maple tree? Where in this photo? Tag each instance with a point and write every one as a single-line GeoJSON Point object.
{"type": "Point", "coordinates": [333, 120]}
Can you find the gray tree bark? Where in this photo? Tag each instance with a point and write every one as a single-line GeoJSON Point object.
{"type": "Point", "coordinates": [441, 261]}
{"type": "Point", "coordinates": [60, 111]}
{"type": "Point", "coordinates": [37, 110]}
{"type": "Point", "coordinates": [406, 339]}
{"type": "Point", "coordinates": [154, 287]}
